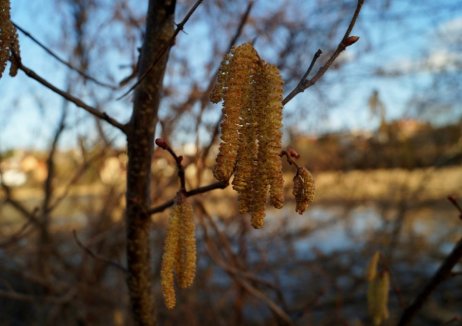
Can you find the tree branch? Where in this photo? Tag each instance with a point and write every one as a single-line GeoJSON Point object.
{"type": "Point", "coordinates": [443, 273]}
{"type": "Point", "coordinates": [346, 41]}
{"type": "Point", "coordinates": [96, 256]}
{"type": "Point", "coordinates": [168, 45]}
{"type": "Point", "coordinates": [193, 192]}
{"type": "Point", "coordinates": [64, 62]}
{"type": "Point", "coordinates": [101, 115]}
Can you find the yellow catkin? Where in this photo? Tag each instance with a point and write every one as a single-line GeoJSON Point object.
{"type": "Point", "coordinates": [238, 84]}
{"type": "Point", "coordinates": [216, 94]}
{"type": "Point", "coordinates": [304, 189]}
{"type": "Point", "coordinates": [260, 174]}
{"type": "Point", "coordinates": [187, 243]}
{"type": "Point", "coordinates": [383, 290]}
{"type": "Point", "coordinates": [9, 45]}
{"type": "Point", "coordinates": [251, 134]}
{"type": "Point", "coordinates": [169, 258]}
{"type": "Point", "coordinates": [378, 291]}
{"type": "Point", "coordinates": [247, 153]}
{"type": "Point", "coordinates": [372, 267]}
{"type": "Point", "coordinates": [273, 164]}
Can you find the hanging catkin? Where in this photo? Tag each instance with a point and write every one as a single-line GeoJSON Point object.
{"type": "Point", "coordinates": [9, 44]}
{"type": "Point", "coordinates": [242, 62]}
{"type": "Point", "coordinates": [179, 250]}
{"type": "Point", "coordinates": [303, 189]}
{"type": "Point", "coordinates": [272, 162]}
{"type": "Point", "coordinates": [377, 291]}
{"type": "Point", "coordinates": [251, 136]}
{"type": "Point", "coordinates": [251, 90]}
{"type": "Point", "coordinates": [169, 258]}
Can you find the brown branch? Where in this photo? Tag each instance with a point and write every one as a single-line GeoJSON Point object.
{"type": "Point", "coordinates": [18, 235]}
{"type": "Point", "coordinates": [73, 180]}
{"type": "Point", "coordinates": [443, 273]}
{"type": "Point", "coordinates": [240, 278]}
{"type": "Point", "coordinates": [95, 112]}
{"type": "Point", "coordinates": [96, 256]}
{"type": "Point", "coordinates": [64, 62]}
{"type": "Point", "coordinates": [346, 41]}
{"type": "Point", "coordinates": [453, 201]}
{"type": "Point", "coordinates": [168, 45]}
{"type": "Point", "coordinates": [190, 193]}
{"type": "Point", "coordinates": [13, 295]}
{"type": "Point", "coordinates": [178, 161]}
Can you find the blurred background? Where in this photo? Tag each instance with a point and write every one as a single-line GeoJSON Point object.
{"type": "Point", "coordinates": [381, 133]}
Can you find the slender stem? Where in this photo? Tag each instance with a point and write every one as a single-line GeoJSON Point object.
{"type": "Point", "coordinates": [95, 112]}
{"type": "Point", "coordinates": [344, 43]}
{"type": "Point", "coordinates": [443, 273]}
{"type": "Point", "coordinates": [190, 193]}
{"type": "Point", "coordinates": [167, 46]}
{"type": "Point", "coordinates": [64, 62]}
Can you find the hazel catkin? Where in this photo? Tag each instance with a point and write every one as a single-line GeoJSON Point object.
{"type": "Point", "coordinates": [377, 291]}
{"type": "Point", "coordinates": [250, 130]}
{"type": "Point", "coordinates": [179, 250]}
{"type": "Point", "coordinates": [9, 44]}
{"type": "Point", "coordinates": [238, 85]}
{"type": "Point", "coordinates": [169, 257]}
{"type": "Point", "coordinates": [304, 189]}
{"type": "Point", "coordinates": [273, 164]}
{"type": "Point", "coordinates": [187, 245]}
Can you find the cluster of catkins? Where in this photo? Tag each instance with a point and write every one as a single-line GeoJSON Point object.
{"type": "Point", "coordinates": [250, 148]}
{"type": "Point", "coordinates": [378, 291]}
{"type": "Point", "coordinates": [179, 250]}
{"type": "Point", "coordinates": [9, 44]}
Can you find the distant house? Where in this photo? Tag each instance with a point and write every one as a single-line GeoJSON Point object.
{"type": "Point", "coordinates": [22, 167]}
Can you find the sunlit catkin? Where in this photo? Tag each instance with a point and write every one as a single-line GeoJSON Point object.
{"type": "Point", "coordinates": [272, 162]}
{"type": "Point", "coordinates": [250, 130]}
{"type": "Point", "coordinates": [187, 244]}
{"type": "Point", "coordinates": [9, 45]}
{"type": "Point", "coordinates": [216, 94]}
{"type": "Point", "coordinates": [179, 250]}
{"type": "Point", "coordinates": [169, 258]}
{"type": "Point", "coordinates": [238, 85]}
{"type": "Point", "coordinates": [304, 189]}
{"type": "Point", "coordinates": [372, 267]}
{"type": "Point", "coordinates": [378, 291]}
{"type": "Point", "coordinates": [247, 140]}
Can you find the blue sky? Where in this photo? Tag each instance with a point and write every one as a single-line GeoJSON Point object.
{"type": "Point", "coordinates": [28, 113]}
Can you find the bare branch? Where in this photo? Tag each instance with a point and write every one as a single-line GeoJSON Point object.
{"type": "Point", "coordinates": [178, 159]}
{"type": "Point", "coordinates": [346, 41]}
{"type": "Point", "coordinates": [194, 192]}
{"type": "Point", "coordinates": [95, 112]}
{"type": "Point", "coordinates": [443, 273]}
{"type": "Point", "coordinates": [168, 45]}
{"type": "Point", "coordinates": [96, 256]}
{"type": "Point", "coordinates": [64, 62]}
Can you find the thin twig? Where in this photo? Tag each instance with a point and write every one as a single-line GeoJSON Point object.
{"type": "Point", "coordinates": [97, 257]}
{"type": "Point", "coordinates": [95, 112]}
{"type": "Point", "coordinates": [443, 273]}
{"type": "Point", "coordinates": [64, 62]}
{"type": "Point", "coordinates": [178, 161]}
{"type": "Point", "coordinates": [453, 201]}
{"type": "Point", "coordinates": [346, 41]}
{"type": "Point", "coordinates": [237, 276]}
{"type": "Point", "coordinates": [171, 42]}
{"type": "Point", "coordinates": [190, 193]}
{"type": "Point", "coordinates": [18, 235]}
